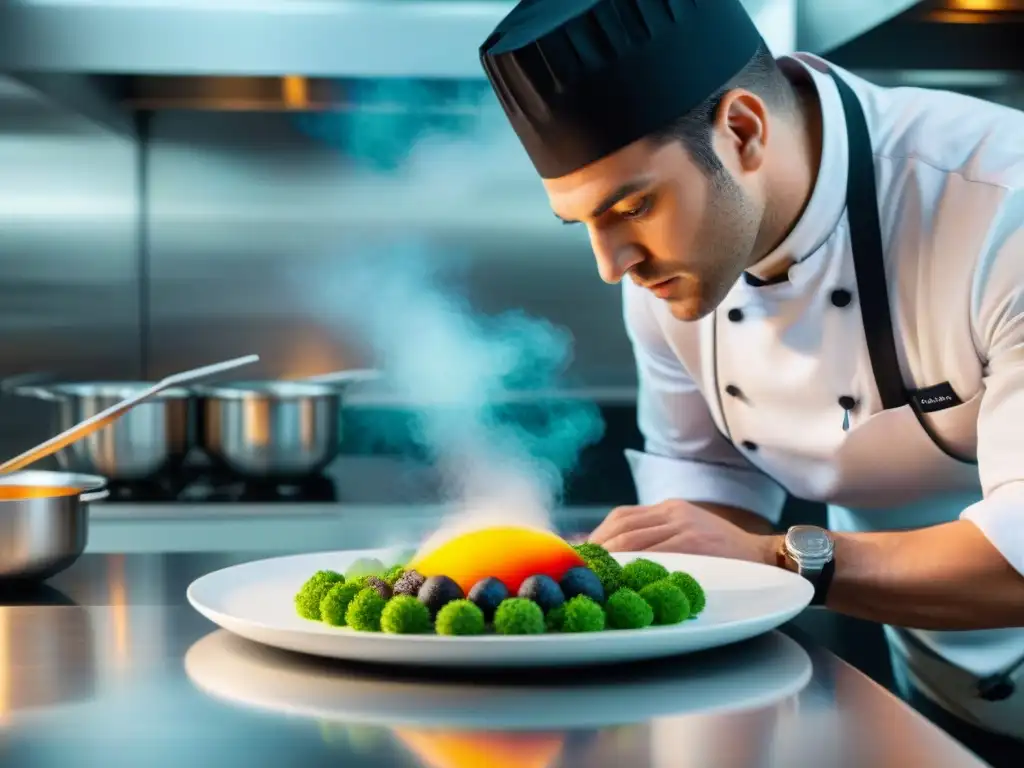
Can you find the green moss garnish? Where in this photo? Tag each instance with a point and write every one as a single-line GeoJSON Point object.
{"type": "Point", "coordinates": [553, 619]}
{"type": "Point", "coordinates": [692, 589]}
{"type": "Point", "coordinates": [460, 617]}
{"type": "Point", "coordinates": [393, 574]}
{"type": "Point", "coordinates": [627, 610]}
{"type": "Point", "coordinates": [641, 572]}
{"type": "Point", "coordinates": [307, 599]}
{"type": "Point", "coordinates": [667, 601]}
{"type": "Point", "coordinates": [365, 610]}
{"type": "Point", "coordinates": [405, 615]}
{"type": "Point", "coordinates": [518, 616]}
{"type": "Point", "coordinates": [335, 603]}
{"type": "Point", "coordinates": [583, 615]}
{"type": "Point", "coordinates": [590, 551]}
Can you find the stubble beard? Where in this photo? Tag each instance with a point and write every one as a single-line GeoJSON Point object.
{"type": "Point", "coordinates": [726, 241]}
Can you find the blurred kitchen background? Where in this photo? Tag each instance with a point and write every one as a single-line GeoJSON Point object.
{"type": "Point", "coordinates": [182, 182]}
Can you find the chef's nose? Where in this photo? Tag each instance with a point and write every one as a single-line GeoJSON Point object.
{"type": "Point", "coordinates": [615, 256]}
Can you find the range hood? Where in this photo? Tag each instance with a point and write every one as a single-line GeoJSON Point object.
{"type": "Point", "coordinates": [312, 38]}
{"type": "Point", "coordinates": [110, 58]}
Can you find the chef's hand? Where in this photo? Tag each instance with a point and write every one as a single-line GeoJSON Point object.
{"type": "Point", "coordinates": [679, 526]}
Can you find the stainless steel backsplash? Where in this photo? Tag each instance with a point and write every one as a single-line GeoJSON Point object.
{"type": "Point", "coordinates": [69, 253]}
{"type": "Point", "coordinates": [222, 233]}
{"type": "Point", "coordinates": [252, 221]}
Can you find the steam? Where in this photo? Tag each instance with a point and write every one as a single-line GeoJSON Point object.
{"type": "Point", "coordinates": [502, 462]}
{"type": "Point", "coordinates": [394, 125]}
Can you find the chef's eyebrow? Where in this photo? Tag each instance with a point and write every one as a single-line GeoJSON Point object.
{"type": "Point", "coordinates": [616, 197]}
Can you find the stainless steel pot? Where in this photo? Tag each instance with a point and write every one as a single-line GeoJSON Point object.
{"type": "Point", "coordinates": [150, 439]}
{"type": "Point", "coordinates": [272, 430]}
{"type": "Point", "coordinates": [44, 521]}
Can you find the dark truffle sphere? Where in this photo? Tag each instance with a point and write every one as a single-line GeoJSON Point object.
{"type": "Point", "coordinates": [379, 586]}
{"type": "Point", "coordinates": [438, 591]}
{"type": "Point", "coordinates": [409, 584]}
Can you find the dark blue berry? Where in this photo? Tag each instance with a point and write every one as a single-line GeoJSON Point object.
{"type": "Point", "coordinates": [437, 592]}
{"type": "Point", "coordinates": [543, 590]}
{"type": "Point", "coordinates": [582, 581]}
{"type": "Point", "coordinates": [487, 595]}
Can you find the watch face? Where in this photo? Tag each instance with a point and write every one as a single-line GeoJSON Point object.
{"type": "Point", "coordinates": [808, 542]}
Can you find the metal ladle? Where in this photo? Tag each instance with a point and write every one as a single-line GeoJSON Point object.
{"type": "Point", "coordinates": [107, 417]}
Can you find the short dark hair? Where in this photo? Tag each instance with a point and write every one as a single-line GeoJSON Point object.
{"type": "Point", "coordinates": [761, 76]}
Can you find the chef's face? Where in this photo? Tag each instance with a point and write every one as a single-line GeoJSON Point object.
{"type": "Point", "coordinates": [656, 217]}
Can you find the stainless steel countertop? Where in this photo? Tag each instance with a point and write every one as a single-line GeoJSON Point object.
{"type": "Point", "coordinates": [109, 666]}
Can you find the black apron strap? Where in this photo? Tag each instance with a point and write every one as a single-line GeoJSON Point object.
{"type": "Point", "coordinates": [868, 255]}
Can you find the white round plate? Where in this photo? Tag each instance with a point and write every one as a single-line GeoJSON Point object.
{"type": "Point", "coordinates": [752, 675]}
{"type": "Point", "coordinates": [256, 601]}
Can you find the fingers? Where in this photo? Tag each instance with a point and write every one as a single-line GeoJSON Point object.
{"type": "Point", "coordinates": [629, 509]}
{"type": "Point", "coordinates": [641, 539]}
{"type": "Point", "coordinates": [677, 542]}
{"type": "Point", "coordinates": [626, 519]}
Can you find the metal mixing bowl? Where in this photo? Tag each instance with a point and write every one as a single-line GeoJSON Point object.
{"type": "Point", "coordinates": [152, 438]}
{"type": "Point", "coordinates": [44, 521]}
{"type": "Point", "coordinates": [271, 430]}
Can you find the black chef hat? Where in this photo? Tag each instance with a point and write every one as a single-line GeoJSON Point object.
{"type": "Point", "coordinates": [581, 79]}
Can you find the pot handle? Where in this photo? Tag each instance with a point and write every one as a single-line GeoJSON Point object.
{"type": "Point", "coordinates": [95, 495]}
{"type": "Point", "coordinates": [29, 381]}
{"type": "Point", "coordinates": [40, 393]}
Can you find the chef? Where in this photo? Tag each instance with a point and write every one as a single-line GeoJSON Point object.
{"type": "Point", "coordinates": [823, 283]}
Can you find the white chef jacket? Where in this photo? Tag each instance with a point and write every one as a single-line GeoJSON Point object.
{"type": "Point", "coordinates": [741, 407]}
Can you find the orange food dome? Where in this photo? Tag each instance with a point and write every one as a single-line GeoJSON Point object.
{"type": "Point", "coordinates": [464, 749]}
{"type": "Point", "coordinates": [509, 554]}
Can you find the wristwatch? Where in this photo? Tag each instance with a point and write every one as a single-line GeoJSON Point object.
{"type": "Point", "coordinates": [809, 551]}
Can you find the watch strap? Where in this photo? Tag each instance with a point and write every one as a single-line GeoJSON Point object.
{"type": "Point", "coordinates": [822, 582]}
{"type": "Point", "coordinates": [820, 578]}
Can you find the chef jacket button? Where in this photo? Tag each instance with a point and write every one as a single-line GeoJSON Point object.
{"type": "Point", "coordinates": [736, 314]}
{"type": "Point", "coordinates": [841, 297]}
{"type": "Point", "coordinates": [847, 403]}
{"type": "Point", "coordinates": [733, 391]}
{"type": "Point", "coordinates": [749, 445]}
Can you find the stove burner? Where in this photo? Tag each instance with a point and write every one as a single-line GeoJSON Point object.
{"type": "Point", "coordinates": [213, 487]}
{"type": "Point", "coordinates": [153, 489]}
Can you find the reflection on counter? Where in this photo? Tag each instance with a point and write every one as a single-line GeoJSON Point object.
{"type": "Point", "coordinates": [47, 657]}
{"type": "Point", "coordinates": [522, 718]}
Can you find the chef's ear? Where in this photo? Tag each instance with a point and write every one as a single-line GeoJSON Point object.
{"type": "Point", "coordinates": [741, 129]}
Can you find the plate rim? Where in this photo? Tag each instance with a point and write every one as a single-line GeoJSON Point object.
{"type": "Point", "coordinates": [317, 629]}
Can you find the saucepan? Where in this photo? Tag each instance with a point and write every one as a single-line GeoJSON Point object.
{"type": "Point", "coordinates": [152, 438]}
{"type": "Point", "coordinates": [44, 521]}
{"type": "Point", "coordinates": [44, 515]}
{"type": "Point", "coordinates": [99, 416]}
{"type": "Point", "coordinates": [275, 430]}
